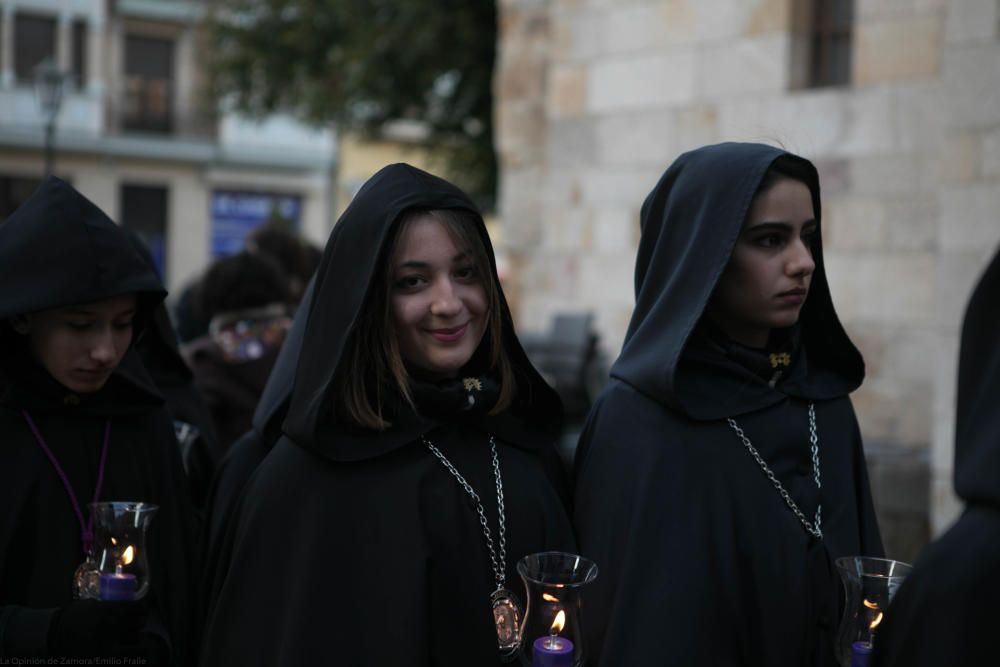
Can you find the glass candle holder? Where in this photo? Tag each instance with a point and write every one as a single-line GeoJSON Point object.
{"type": "Point", "coordinates": [117, 567]}
{"type": "Point", "coordinates": [551, 631]}
{"type": "Point", "coordinates": [869, 586]}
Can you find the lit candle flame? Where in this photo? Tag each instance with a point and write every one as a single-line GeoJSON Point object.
{"type": "Point", "coordinates": [874, 623]}
{"type": "Point", "coordinates": [558, 623]}
{"type": "Point", "coordinates": [871, 605]}
{"type": "Point", "coordinates": [128, 555]}
{"type": "Point", "coordinates": [549, 598]}
{"type": "Point", "coordinates": [114, 541]}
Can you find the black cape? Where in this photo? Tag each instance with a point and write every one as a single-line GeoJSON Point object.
{"type": "Point", "coordinates": [248, 451]}
{"type": "Point", "coordinates": [701, 560]}
{"type": "Point", "coordinates": [946, 612]}
{"type": "Point", "coordinates": [59, 249]}
{"type": "Point", "coordinates": [357, 547]}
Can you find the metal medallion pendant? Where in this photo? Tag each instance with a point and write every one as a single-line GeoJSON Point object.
{"type": "Point", "coordinates": [87, 581]}
{"type": "Point", "coordinates": [507, 617]}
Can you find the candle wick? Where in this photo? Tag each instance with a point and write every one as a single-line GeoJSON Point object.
{"type": "Point", "coordinates": [118, 568]}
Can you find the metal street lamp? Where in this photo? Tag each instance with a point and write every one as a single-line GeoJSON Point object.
{"type": "Point", "coordinates": [49, 81]}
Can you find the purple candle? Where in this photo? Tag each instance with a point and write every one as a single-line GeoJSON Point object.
{"type": "Point", "coordinates": [861, 654]}
{"type": "Point", "coordinates": [552, 651]}
{"type": "Point", "coordinates": [117, 586]}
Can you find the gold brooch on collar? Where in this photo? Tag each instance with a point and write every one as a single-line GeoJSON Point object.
{"type": "Point", "coordinates": [780, 359]}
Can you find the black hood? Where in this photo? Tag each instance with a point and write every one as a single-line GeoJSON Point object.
{"type": "Point", "coordinates": [58, 249]}
{"type": "Point", "coordinates": [273, 403]}
{"type": "Point", "coordinates": [689, 225]}
{"type": "Point", "coordinates": [977, 413]}
{"type": "Point", "coordinates": [158, 346]}
{"type": "Point", "coordinates": [342, 283]}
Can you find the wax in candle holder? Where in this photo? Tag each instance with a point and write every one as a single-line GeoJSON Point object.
{"type": "Point", "coordinates": [861, 654]}
{"type": "Point", "coordinates": [869, 586]}
{"type": "Point", "coordinates": [117, 567]}
{"type": "Point", "coordinates": [552, 629]}
{"type": "Point", "coordinates": [117, 585]}
{"type": "Point", "coordinates": [552, 651]}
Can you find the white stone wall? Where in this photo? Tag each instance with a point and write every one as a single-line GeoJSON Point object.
{"type": "Point", "coordinates": [597, 97]}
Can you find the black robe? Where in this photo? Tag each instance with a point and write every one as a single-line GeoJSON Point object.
{"type": "Point", "coordinates": [358, 547]}
{"type": "Point", "coordinates": [947, 611]}
{"type": "Point", "coordinates": [702, 562]}
{"type": "Point", "coordinates": [252, 447]}
{"type": "Point", "coordinates": [59, 249]}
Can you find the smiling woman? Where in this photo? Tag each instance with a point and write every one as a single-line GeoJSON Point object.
{"type": "Point", "coordinates": [417, 464]}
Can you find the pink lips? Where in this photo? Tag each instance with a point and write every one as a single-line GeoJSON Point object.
{"type": "Point", "coordinates": [794, 297]}
{"type": "Point", "coordinates": [450, 335]}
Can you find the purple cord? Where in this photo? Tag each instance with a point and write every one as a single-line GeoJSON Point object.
{"type": "Point", "coordinates": [87, 527]}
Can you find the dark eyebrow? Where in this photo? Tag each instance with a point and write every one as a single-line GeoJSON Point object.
{"type": "Point", "coordinates": [414, 264]}
{"type": "Point", "coordinates": [83, 312]}
{"type": "Point", "coordinates": [778, 226]}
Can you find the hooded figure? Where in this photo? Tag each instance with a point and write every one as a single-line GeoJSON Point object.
{"type": "Point", "coordinates": [946, 612]}
{"type": "Point", "coordinates": [702, 559]}
{"type": "Point", "coordinates": [248, 451]}
{"type": "Point", "coordinates": [372, 551]}
{"type": "Point", "coordinates": [82, 421]}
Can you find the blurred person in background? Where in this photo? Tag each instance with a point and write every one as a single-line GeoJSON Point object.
{"type": "Point", "coordinates": [158, 348]}
{"type": "Point", "coordinates": [252, 447]}
{"type": "Point", "coordinates": [245, 298]}
{"type": "Point", "coordinates": [82, 422]}
{"type": "Point", "coordinates": [947, 611]}
{"type": "Point", "coordinates": [297, 257]}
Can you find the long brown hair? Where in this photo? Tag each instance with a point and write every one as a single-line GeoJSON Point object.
{"type": "Point", "coordinates": [374, 364]}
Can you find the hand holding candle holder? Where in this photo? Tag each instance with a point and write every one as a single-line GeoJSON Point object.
{"type": "Point", "coordinates": [869, 586]}
{"type": "Point", "coordinates": [117, 567]}
{"type": "Point", "coordinates": [551, 631]}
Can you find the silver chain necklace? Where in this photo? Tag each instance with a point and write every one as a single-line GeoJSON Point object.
{"type": "Point", "coordinates": [506, 608]}
{"type": "Point", "coordinates": [813, 528]}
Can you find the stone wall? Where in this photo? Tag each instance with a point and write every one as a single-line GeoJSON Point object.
{"type": "Point", "coordinates": [596, 98]}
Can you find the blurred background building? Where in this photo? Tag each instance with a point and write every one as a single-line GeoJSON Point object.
{"type": "Point", "coordinates": [896, 101]}
{"type": "Point", "coordinates": [137, 135]}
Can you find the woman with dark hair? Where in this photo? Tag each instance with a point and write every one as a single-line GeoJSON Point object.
{"type": "Point", "coordinates": [82, 422]}
{"type": "Point", "coordinates": [417, 465]}
{"type": "Point", "coordinates": [721, 469]}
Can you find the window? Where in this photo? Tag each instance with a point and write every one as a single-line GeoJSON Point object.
{"type": "Point", "coordinates": [149, 71]}
{"type": "Point", "coordinates": [34, 41]}
{"type": "Point", "coordinates": [144, 211]}
{"type": "Point", "coordinates": [830, 43]}
{"type": "Point", "coordinates": [79, 56]}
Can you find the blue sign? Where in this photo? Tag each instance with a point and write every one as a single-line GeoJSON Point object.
{"type": "Point", "coordinates": [236, 214]}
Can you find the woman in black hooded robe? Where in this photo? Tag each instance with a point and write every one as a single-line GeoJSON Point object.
{"type": "Point", "coordinates": [947, 610]}
{"type": "Point", "coordinates": [61, 261]}
{"type": "Point", "coordinates": [357, 545]}
{"type": "Point", "coordinates": [702, 560]}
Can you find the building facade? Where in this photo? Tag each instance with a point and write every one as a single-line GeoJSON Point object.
{"type": "Point", "coordinates": [137, 133]}
{"type": "Point", "coordinates": [896, 101]}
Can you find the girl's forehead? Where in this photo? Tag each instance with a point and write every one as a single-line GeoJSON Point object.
{"type": "Point", "coordinates": [107, 307]}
